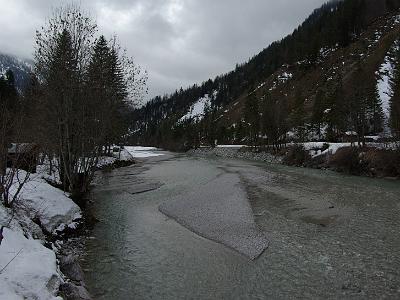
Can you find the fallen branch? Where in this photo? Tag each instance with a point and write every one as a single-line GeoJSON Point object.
{"type": "Point", "coordinates": [1, 271]}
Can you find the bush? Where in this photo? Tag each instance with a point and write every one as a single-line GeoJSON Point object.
{"type": "Point", "coordinates": [348, 160]}
{"type": "Point", "coordinates": [296, 156]}
{"type": "Point", "coordinates": [383, 163]}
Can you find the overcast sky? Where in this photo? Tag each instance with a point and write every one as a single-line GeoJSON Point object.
{"type": "Point", "coordinates": [179, 42]}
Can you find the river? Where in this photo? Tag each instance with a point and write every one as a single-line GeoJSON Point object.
{"type": "Point", "coordinates": [330, 235]}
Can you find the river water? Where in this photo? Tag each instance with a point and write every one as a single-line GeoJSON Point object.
{"type": "Point", "coordinates": [331, 236]}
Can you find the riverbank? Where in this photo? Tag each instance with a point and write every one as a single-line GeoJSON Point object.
{"type": "Point", "coordinates": [374, 160]}
{"type": "Point", "coordinates": [34, 233]}
{"type": "Point", "coordinates": [43, 237]}
{"type": "Point", "coordinates": [236, 152]}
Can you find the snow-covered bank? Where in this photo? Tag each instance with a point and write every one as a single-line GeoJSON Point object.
{"type": "Point", "coordinates": [374, 160]}
{"type": "Point", "coordinates": [30, 269]}
{"type": "Point", "coordinates": [313, 148]}
{"type": "Point", "coordinates": [51, 206]}
{"type": "Point", "coordinates": [220, 211]}
{"type": "Point", "coordinates": [322, 148]}
{"type": "Point", "coordinates": [31, 272]}
{"type": "Point", "coordinates": [142, 152]}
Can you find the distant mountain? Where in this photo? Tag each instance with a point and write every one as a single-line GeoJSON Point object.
{"type": "Point", "coordinates": [310, 82]}
{"type": "Point", "coordinates": [20, 67]}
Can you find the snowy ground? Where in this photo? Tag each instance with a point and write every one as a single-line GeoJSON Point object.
{"type": "Point", "coordinates": [105, 161]}
{"type": "Point", "coordinates": [53, 207]}
{"type": "Point", "coordinates": [142, 152]}
{"type": "Point", "coordinates": [128, 153]}
{"type": "Point", "coordinates": [232, 146]}
{"type": "Point", "coordinates": [315, 148]}
{"type": "Point", "coordinates": [30, 269]}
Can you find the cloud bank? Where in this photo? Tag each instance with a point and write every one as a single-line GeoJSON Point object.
{"type": "Point", "coordinates": [179, 42]}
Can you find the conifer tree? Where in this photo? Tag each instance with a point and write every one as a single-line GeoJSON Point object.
{"type": "Point", "coordinates": [395, 100]}
{"type": "Point", "coordinates": [252, 118]}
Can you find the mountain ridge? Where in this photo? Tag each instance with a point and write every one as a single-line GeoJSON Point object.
{"type": "Point", "coordinates": [307, 49]}
{"type": "Point", "coordinates": [22, 69]}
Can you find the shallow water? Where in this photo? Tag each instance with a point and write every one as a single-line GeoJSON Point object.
{"type": "Point", "coordinates": [331, 236]}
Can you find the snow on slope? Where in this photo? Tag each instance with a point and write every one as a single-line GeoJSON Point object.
{"type": "Point", "coordinates": [282, 78]}
{"type": "Point", "coordinates": [197, 110]}
{"type": "Point", "coordinates": [52, 206]}
{"type": "Point", "coordinates": [32, 274]}
{"type": "Point", "coordinates": [21, 69]}
{"type": "Point", "coordinates": [386, 72]}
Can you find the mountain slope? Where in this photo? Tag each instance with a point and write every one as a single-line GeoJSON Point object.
{"type": "Point", "coordinates": [306, 86]}
{"type": "Point", "coordinates": [21, 69]}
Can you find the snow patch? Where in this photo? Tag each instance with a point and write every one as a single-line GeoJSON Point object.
{"type": "Point", "coordinates": [386, 74]}
{"type": "Point", "coordinates": [231, 146]}
{"type": "Point", "coordinates": [105, 161]}
{"type": "Point", "coordinates": [315, 148]}
{"type": "Point", "coordinates": [143, 152]}
{"type": "Point", "coordinates": [282, 78]}
{"type": "Point", "coordinates": [197, 110]}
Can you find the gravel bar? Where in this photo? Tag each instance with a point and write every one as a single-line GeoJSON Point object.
{"type": "Point", "coordinates": [219, 211]}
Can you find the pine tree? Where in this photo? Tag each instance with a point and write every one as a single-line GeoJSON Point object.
{"type": "Point", "coordinates": [375, 112]}
{"type": "Point", "coordinates": [9, 108]}
{"type": "Point", "coordinates": [319, 109]}
{"type": "Point", "coordinates": [274, 120]}
{"type": "Point", "coordinates": [252, 118]}
{"type": "Point", "coordinates": [107, 91]}
{"type": "Point", "coordinates": [395, 100]}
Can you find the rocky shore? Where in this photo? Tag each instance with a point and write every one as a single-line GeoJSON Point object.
{"type": "Point", "coordinates": [374, 160]}
{"type": "Point", "coordinates": [236, 153]}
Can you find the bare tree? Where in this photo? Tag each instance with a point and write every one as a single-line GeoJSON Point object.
{"type": "Point", "coordinates": [63, 51]}
{"type": "Point", "coordinates": [12, 153]}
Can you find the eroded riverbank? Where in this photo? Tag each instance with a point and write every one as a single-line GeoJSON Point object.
{"type": "Point", "coordinates": [331, 236]}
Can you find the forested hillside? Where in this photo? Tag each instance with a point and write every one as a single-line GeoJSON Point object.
{"type": "Point", "coordinates": [21, 69]}
{"type": "Point", "coordinates": [335, 74]}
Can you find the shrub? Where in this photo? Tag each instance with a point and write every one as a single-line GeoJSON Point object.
{"type": "Point", "coordinates": [383, 163]}
{"type": "Point", "coordinates": [348, 160]}
{"type": "Point", "coordinates": [296, 156]}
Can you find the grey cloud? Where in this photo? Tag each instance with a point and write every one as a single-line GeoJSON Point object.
{"type": "Point", "coordinates": [179, 42]}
